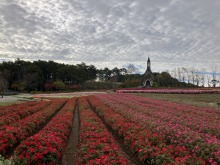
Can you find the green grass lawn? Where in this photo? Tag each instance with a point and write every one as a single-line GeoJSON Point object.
{"type": "Point", "coordinates": [203, 100]}
{"type": "Point", "coordinates": [9, 103]}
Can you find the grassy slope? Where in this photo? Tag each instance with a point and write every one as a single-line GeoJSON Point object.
{"type": "Point", "coordinates": [204, 100]}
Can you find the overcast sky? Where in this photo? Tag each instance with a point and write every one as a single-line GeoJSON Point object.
{"type": "Point", "coordinates": [112, 33]}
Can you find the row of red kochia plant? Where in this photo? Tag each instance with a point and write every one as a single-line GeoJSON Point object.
{"type": "Point", "coordinates": [5, 110]}
{"type": "Point", "coordinates": [203, 120]}
{"type": "Point", "coordinates": [149, 147]}
{"type": "Point", "coordinates": [170, 123]}
{"type": "Point", "coordinates": [96, 145]}
{"type": "Point", "coordinates": [21, 113]}
{"type": "Point", "coordinates": [47, 146]}
{"type": "Point", "coordinates": [169, 91]}
{"type": "Point", "coordinates": [14, 134]}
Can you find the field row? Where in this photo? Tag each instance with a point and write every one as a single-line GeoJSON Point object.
{"type": "Point", "coordinates": [170, 91]}
{"type": "Point", "coordinates": [48, 145]}
{"type": "Point", "coordinates": [196, 129]}
{"type": "Point", "coordinates": [41, 137]}
{"type": "Point", "coordinates": [96, 146]}
{"type": "Point", "coordinates": [13, 134]}
{"type": "Point", "coordinates": [154, 132]}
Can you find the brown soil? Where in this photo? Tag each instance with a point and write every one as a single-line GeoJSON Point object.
{"type": "Point", "coordinates": [119, 141]}
{"type": "Point", "coordinates": [70, 154]}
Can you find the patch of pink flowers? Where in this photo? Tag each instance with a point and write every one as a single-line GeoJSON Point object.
{"type": "Point", "coordinates": [96, 145]}
{"type": "Point", "coordinates": [47, 146]}
{"type": "Point", "coordinates": [13, 134]}
{"type": "Point", "coordinates": [195, 128]}
{"type": "Point", "coordinates": [149, 147]}
{"type": "Point", "coordinates": [19, 112]}
{"type": "Point", "coordinates": [170, 91]}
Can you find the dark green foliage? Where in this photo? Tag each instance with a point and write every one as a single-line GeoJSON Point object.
{"type": "Point", "coordinates": [34, 76]}
{"type": "Point", "coordinates": [49, 75]}
{"type": "Point", "coordinates": [164, 79]}
{"type": "Point", "coordinates": [92, 85]}
{"type": "Point", "coordinates": [131, 80]}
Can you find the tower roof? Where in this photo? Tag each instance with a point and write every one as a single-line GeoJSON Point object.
{"type": "Point", "coordinates": [148, 60]}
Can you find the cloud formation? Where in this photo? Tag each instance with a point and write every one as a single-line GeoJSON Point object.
{"type": "Point", "coordinates": [173, 33]}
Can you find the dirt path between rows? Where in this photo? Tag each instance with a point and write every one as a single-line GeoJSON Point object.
{"type": "Point", "coordinates": [125, 151]}
{"type": "Point", "coordinates": [70, 154]}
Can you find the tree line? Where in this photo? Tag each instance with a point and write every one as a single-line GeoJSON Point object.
{"type": "Point", "coordinates": [198, 77]}
{"type": "Point", "coordinates": [50, 76]}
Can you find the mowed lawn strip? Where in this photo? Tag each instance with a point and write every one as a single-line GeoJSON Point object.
{"type": "Point", "coordinates": [200, 100]}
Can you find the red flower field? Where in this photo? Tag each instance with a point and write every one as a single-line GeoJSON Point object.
{"type": "Point", "coordinates": [170, 91]}
{"type": "Point", "coordinates": [113, 129]}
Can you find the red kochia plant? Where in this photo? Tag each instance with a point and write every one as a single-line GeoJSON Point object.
{"type": "Point", "coordinates": [169, 91]}
{"type": "Point", "coordinates": [14, 134]}
{"type": "Point", "coordinates": [20, 113]}
{"type": "Point", "coordinates": [5, 110]}
{"type": "Point", "coordinates": [195, 128]}
{"type": "Point", "coordinates": [149, 147]}
{"type": "Point", "coordinates": [47, 146]}
{"type": "Point", "coordinates": [96, 145]}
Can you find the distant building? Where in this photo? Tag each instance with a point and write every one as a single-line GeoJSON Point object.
{"type": "Point", "coordinates": [148, 76]}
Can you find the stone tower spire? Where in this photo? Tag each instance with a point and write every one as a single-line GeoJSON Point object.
{"type": "Point", "coordinates": [148, 65]}
{"type": "Point", "coordinates": [148, 76]}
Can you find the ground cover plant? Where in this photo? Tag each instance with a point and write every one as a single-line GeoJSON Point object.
{"type": "Point", "coordinates": [114, 128]}
{"type": "Point", "coordinates": [15, 133]}
{"type": "Point", "coordinates": [4, 110]}
{"type": "Point", "coordinates": [49, 143]}
{"type": "Point", "coordinates": [170, 91]}
{"type": "Point", "coordinates": [8, 117]}
{"type": "Point", "coordinates": [195, 128]}
{"type": "Point", "coordinates": [149, 147]}
{"type": "Point", "coordinates": [96, 145]}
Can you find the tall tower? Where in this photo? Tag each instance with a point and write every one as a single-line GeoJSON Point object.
{"type": "Point", "coordinates": [148, 71]}
{"type": "Point", "coordinates": [148, 76]}
{"type": "Point", "coordinates": [148, 65]}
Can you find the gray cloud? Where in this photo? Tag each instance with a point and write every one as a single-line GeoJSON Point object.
{"type": "Point", "coordinates": [173, 33]}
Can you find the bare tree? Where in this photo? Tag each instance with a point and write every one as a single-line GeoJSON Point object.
{"type": "Point", "coordinates": [174, 73]}
{"type": "Point", "coordinates": [197, 77]}
{"type": "Point", "coordinates": [179, 73]}
{"type": "Point", "coordinates": [192, 72]}
{"type": "Point", "coordinates": [188, 75]}
{"type": "Point", "coordinates": [214, 74]}
{"type": "Point", "coordinates": [203, 77]}
{"type": "Point", "coordinates": [218, 78]}
{"type": "Point", "coordinates": [132, 69]}
{"type": "Point", "coordinates": [208, 77]}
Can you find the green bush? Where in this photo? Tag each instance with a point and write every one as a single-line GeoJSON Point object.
{"type": "Point", "coordinates": [100, 85]}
